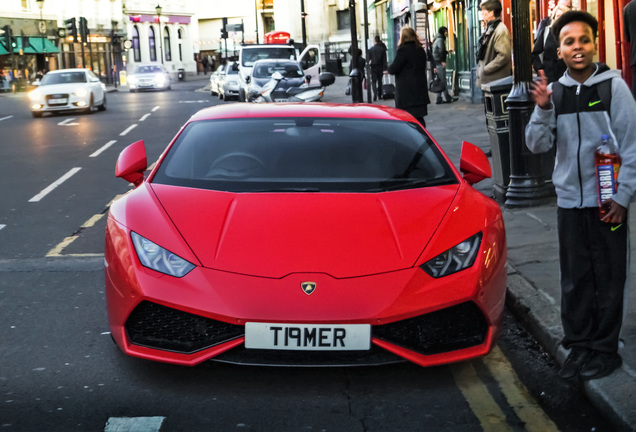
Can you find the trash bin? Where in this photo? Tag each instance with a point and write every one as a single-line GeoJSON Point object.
{"type": "Point", "coordinates": [495, 95]}
{"type": "Point", "coordinates": [181, 74]}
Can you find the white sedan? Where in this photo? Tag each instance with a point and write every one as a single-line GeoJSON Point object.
{"type": "Point", "coordinates": [68, 89]}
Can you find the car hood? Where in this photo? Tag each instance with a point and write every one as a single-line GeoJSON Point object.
{"type": "Point", "coordinates": [61, 88]}
{"type": "Point", "coordinates": [148, 75]}
{"type": "Point", "coordinates": [275, 234]}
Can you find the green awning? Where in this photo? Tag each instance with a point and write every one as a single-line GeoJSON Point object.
{"type": "Point", "coordinates": [36, 46]}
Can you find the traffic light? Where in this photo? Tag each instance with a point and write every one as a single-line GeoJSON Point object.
{"type": "Point", "coordinates": [71, 28]}
{"type": "Point", "coordinates": [223, 30]}
{"type": "Point", "coordinates": [8, 38]}
{"type": "Point", "coordinates": [83, 29]}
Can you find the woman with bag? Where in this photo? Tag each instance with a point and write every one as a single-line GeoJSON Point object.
{"type": "Point", "coordinates": [409, 68]}
{"type": "Point", "coordinates": [439, 55]}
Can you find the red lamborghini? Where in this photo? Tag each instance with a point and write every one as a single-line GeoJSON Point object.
{"type": "Point", "coordinates": [301, 234]}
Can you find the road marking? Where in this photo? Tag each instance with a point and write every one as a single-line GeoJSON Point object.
{"type": "Point", "coordinates": [134, 424]}
{"type": "Point", "coordinates": [481, 402]}
{"type": "Point", "coordinates": [55, 184]}
{"type": "Point", "coordinates": [104, 147]}
{"type": "Point", "coordinates": [128, 130]}
{"type": "Point", "coordinates": [66, 122]}
{"type": "Point", "coordinates": [144, 117]}
{"type": "Point", "coordinates": [517, 395]}
{"type": "Point", "coordinates": [57, 250]}
{"type": "Point", "coordinates": [155, 109]}
{"type": "Point", "coordinates": [5, 118]}
{"type": "Point", "coordinates": [2, 226]}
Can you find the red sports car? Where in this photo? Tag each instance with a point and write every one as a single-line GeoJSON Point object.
{"type": "Point", "coordinates": [302, 234]}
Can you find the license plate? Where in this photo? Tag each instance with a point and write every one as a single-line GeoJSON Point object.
{"type": "Point", "coordinates": [308, 337]}
{"type": "Point", "coordinates": [58, 101]}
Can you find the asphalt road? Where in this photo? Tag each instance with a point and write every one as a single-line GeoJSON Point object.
{"type": "Point", "coordinates": [60, 371]}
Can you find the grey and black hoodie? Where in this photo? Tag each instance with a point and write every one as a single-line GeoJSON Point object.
{"type": "Point", "coordinates": [576, 127]}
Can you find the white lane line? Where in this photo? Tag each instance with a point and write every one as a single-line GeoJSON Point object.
{"type": "Point", "coordinates": [128, 130]}
{"type": "Point", "coordinates": [67, 122]}
{"type": "Point", "coordinates": [5, 118]}
{"type": "Point", "coordinates": [134, 424]}
{"type": "Point", "coordinates": [155, 109]}
{"type": "Point", "coordinates": [2, 226]}
{"type": "Point", "coordinates": [104, 147]}
{"type": "Point", "coordinates": [55, 184]}
{"type": "Point", "coordinates": [144, 117]}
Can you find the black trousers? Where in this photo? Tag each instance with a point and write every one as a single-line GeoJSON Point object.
{"type": "Point", "coordinates": [376, 81]}
{"type": "Point", "coordinates": [594, 265]}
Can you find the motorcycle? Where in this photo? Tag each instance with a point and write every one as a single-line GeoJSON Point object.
{"type": "Point", "coordinates": [274, 90]}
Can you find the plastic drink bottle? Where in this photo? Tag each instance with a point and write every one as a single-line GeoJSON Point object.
{"type": "Point", "coordinates": [608, 162]}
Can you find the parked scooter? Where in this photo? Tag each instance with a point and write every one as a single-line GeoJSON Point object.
{"type": "Point", "coordinates": [274, 90]}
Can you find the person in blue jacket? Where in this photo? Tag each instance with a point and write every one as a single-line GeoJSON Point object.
{"type": "Point", "coordinates": [593, 252]}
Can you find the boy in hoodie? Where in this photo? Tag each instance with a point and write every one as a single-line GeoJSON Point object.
{"type": "Point", "coordinates": [593, 251]}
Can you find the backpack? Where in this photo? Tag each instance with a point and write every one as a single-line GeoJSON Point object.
{"type": "Point", "coordinates": [604, 89]}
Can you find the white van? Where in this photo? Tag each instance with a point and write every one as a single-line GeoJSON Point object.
{"type": "Point", "coordinates": [309, 60]}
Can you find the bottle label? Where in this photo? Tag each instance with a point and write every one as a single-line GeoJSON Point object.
{"type": "Point", "coordinates": [606, 181]}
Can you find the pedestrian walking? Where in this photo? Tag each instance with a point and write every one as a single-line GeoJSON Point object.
{"type": "Point", "coordinates": [439, 55]}
{"type": "Point", "coordinates": [409, 68]}
{"type": "Point", "coordinates": [378, 63]}
{"type": "Point", "coordinates": [629, 16]}
{"type": "Point", "coordinates": [545, 51]}
{"type": "Point", "coordinates": [494, 55]}
{"type": "Point", "coordinates": [589, 101]}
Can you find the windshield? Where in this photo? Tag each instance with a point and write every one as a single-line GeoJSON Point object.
{"type": "Point", "coordinates": [148, 69]}
{"type": "Point", "coordinates": [63, 78]}
{"type": "Point", "coordinates": [249, 56]}
{"type": "Point", "coordinates": [304, 154]}
{"type": "Point", "coordinates": [266, 70]}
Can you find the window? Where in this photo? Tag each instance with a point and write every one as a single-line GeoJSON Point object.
{"type": "Point", "coordinates": [135, 42]}
{"type": "Point", "coordinates": [343, 19]}
{"type": "Point", "coordinates": [152, 44]}
{"type": "Point", "coordinates": [166, 44]}
{"type": "Point", "coordinates": [180, 36]}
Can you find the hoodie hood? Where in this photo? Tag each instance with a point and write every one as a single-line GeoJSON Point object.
{"type": "Point", "coordinates": [602, 73]}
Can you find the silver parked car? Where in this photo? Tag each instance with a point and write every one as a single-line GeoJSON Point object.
{"type": "Point", "coordinates": [152, 76]}
{"type": "Point", "coordinates": [68, 90]}
{"type": "Point", "coordinates": [229, 87]}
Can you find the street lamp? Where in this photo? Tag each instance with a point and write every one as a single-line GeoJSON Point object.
{"type": "Point", "coordinates": [41, 24]}
{"type": "Point", "coordinates": [158, 9]}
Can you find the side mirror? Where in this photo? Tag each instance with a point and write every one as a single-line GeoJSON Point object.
{"type": "Point", "coordinates": [248, 79]}
{"type": "Point", "coordinates": [235, 66]}
{"type": "Point", "coordinates": [132, 163]}
{"type": "Point", "coordinates": [308, 79]}
{"type": "Point", "coordinates": [474, 163]}
{"type": "Point", "coordinates": [277, 76]}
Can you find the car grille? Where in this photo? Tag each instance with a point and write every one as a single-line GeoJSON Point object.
{"type": "Point", "coordinates": [60, 99]}
{"type": "Point", "coordinates": [453, 328]}
{"type": "Point", "coordinates": [160, 327]}
{"type": "Point", "coordinates": [164, 328]}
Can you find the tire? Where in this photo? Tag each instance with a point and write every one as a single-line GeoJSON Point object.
{"type": "Point", "coordinates": [102, 107]}
{"type": "Point", "coordinates": [91, 106]}
{"type": "Point", "coordinates": [241, 96]}
{"type": "Point", "coordinates": [36, 114]}
{"type": "Point", "coordinates": [221, 97]}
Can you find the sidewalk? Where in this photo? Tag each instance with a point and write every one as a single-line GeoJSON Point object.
{"type": "Point", "coordinates": [533, 260]}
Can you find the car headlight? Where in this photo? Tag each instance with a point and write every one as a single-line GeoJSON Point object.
{"type": "Point", "coordinates": [35, 95]}
{"type": "Point", "coordinates": [159, 259]}
{"type": "Point", "coordinates": [80, 92]}
{"type": "Point", "coordinates": [132, 79]}
{"type": "Point", "coordinates": [457, 258]}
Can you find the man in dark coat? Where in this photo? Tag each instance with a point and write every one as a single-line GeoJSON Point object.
{"type": "Point", "coordinates": [377, 60]}
{"type": "Point", "coordinates": [629, 16]}
{"type": "Point", "coordinates": [409, 68]}
{"type": "Point", "coordinates": [439, 55]}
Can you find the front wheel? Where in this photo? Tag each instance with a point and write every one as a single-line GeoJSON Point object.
{"type": "Point", "coordinates": [241, 96]}
{"type": "Point", "coordinates": [102, 107]}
